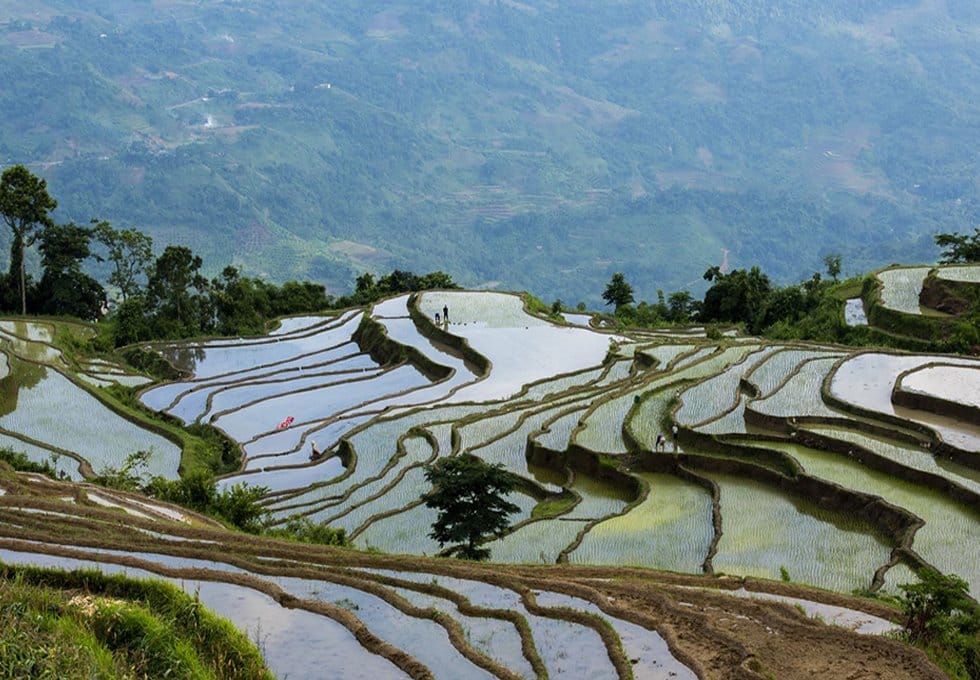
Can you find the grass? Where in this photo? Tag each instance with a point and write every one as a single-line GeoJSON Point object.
{"type": "Point", "coordinates": [553, 506]}
{"type": "Point", "coordinates": [56, 624]}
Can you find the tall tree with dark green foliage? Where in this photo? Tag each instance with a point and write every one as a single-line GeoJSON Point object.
{"type": "Point", "coordinates": [64, 288]}
{"type": "Point", "coordinates": [470, 496]}
{"type": "Point", "coordinates": [737, 297]}
{"type": "Point", "coordinates": [24, 206]}
{"type": "Point", "coordinates": [178, 312]}
{"type": "Point", "coordinates": [959, 247]}
{"type": "Point", "coordinates": [618, 292]}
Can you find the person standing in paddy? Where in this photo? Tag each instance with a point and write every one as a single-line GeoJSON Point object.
{"type": "Point", "coordinates": [445, 313]}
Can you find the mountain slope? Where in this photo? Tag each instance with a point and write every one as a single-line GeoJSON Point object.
{"type": "Point", "coordinates": [539, 145]}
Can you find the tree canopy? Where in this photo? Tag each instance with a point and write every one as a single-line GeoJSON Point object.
{"type": "Point", "coordinates": [470, 496]}
{"type": "Point", "coordinates": [959, 247]}
{"type": "Point", "coordinates": [24, 206]}
{"type": "Point", "coordinates": [618, 292]}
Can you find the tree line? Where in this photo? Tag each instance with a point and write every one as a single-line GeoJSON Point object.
{"type": "Point", "coordinates": [808, 310]}
{"type": "Point", "coordinates": [145, 296]}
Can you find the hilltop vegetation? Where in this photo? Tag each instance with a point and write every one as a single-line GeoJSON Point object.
{"type": "Point", "coordinates": [504, 141]}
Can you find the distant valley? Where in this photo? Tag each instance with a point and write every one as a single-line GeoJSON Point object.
{"type": "Point", "coordinates": [526, 145]}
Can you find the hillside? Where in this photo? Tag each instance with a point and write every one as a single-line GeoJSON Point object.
{"type": "Point", "coordinates": [535, 145]}
{"type": "Point", "coordinates": [794, 476]}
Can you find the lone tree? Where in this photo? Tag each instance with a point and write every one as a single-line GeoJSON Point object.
{"type": "Point", "coordinates": [833, 264]}
{"type": "Point", "coordinates": [470, 497]}
{"type": "Point", "coordinates": [618, 292]}
{"type": "Point", "coordinates": [24, 206]}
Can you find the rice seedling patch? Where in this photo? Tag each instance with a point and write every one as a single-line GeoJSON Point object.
{"type": "Point", "coordinates": [777, 367]}
{"type": "Point", "coordinates": [800, 394]}
{"type": "Point", "coordinates": [665, 355]}
{"type": "Point", "coordinates": [670, 529]}
{"type": "Point", "coordinates": [909, 455]}
{"type": "Point", "coordinates": [559, 431]}
{"type": "Point", "coordinates": [406, 533]}
{"type": "Point", "coordinates": [967, 273]}
{"type": "Point", "coordinates": [763, 531]}
{"type": "Point", "coordinates": [84, 425]}
{"type": "Point", "coordinates": [538, 542]}
{"type": "Point", "coordinates": [948, 525]}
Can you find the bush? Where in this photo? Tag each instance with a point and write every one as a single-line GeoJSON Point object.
{"type": "Point", "coordinates": [305, 530]}
{"type": "Point", "coordinates": [941, 618]}
{"type": "Point", "coordinates": [20, 462]}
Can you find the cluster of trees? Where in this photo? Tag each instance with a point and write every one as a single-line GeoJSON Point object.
{"type": "Point", "coordinates": [163, 297]}
{"type": "Point", "coordinates": [678, 307]}
{"type": "Point", "coordinates": [367, 290]}
{"type": "Point", "coordinates": [741, 296]}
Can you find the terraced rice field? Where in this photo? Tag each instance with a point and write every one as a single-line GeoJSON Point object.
{"type": "Point", "coordinates": [901, 288]}
{"type": "Point", "coordinates": [574, 413]}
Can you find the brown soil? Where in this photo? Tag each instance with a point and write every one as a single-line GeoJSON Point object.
{"type": "Point", "coordinates": [718, 635]}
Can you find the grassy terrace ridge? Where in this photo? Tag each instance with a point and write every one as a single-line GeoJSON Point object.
{"type": "Point", "coordinates": [85, 624]}
{"type": "Point", "coordinates": [576, 416]}
{"type": "Point", "coordinates": [641, 597]}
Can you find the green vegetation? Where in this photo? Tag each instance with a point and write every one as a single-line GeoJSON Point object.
{"type": "Point", "coordinates": [305, 530]}
{"type": "Point", "coordinates": [58, 624]}
{"type": "Point", "coordinates": [321, 142]}
{"type": "Point", "coordinates": [553, 506]}
{"type": "Point", "coordinates": [959, 247]}
{"type": "Point", "coordinates": [618, 292]}
{"type": "Point", "coordinates": [20, 462]}
{"type": "Point", "coordinates": [470, 498]}
{"type": "Point", "coordinates": [941, 618]}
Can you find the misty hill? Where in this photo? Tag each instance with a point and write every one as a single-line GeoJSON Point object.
{"type": "Point", "coordinates": [541, 145]}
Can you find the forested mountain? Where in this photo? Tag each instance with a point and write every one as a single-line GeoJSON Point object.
{"type": "Point", "coordinates": [536, 144]}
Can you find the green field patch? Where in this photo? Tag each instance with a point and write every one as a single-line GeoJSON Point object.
{"type": "Point", "coordinates": [800, 394]}
{"type": "Point", "coordinates": [538, 542]}
{"type": "Point", "coordinates": [670, 529]}
{"type": "Point", "coordinates": [949, 526]}
{"type": "Point", "coordinates": [81, 423]}
{"type": "Point", "coordinates": [600, 498]}
{"type": "Point", "coordinates": [777, 367]}
{"type": "Point", "coordinates": [406, 532]}
{"type": "Point", "coordinates": [909, 455]}
{"type": "Point", "coordinates": [764, 530]}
